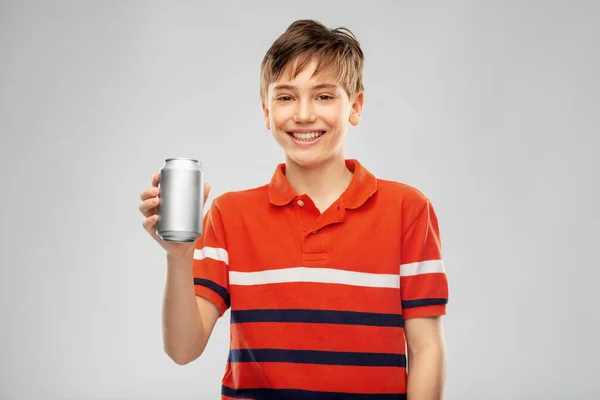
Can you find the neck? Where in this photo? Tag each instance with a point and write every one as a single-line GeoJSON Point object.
{"type": "Point", "coordinates": [322, 183]}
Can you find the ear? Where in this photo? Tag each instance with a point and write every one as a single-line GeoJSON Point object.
{"type": "Point", "coordinates": [266, 115]}
{"type": "Point", "coordinates": [356, 110]}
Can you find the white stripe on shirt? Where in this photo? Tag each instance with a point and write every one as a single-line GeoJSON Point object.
{"type": "Point", "coordinates": [315, 275]}
{"type": "Point", "coordinates": [212, 252]}
{"type": "Point", "coordinates": [423, 267]}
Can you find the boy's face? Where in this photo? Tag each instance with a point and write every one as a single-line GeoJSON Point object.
{"type": "Point", "coordinates": [309, 116]}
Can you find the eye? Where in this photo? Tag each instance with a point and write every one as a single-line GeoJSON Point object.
{"type": "Point", "coordinates": [325, 97]}
{"type": "Point", "coordinates": [285, 98]}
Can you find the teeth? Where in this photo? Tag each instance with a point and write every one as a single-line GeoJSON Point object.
{"type": "Point", "coordinates": [307, 136]}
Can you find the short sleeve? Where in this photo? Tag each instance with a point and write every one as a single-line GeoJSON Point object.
{"type": "Point", "coordinates": [211, 261]}
{"type": "Point", "coordinates": [423, 280]}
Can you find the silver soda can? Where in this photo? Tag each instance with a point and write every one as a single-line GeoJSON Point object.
{"type": "Point", "coordinates": [181, 193]}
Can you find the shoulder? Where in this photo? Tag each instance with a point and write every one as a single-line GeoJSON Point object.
{"type": "Point", "coordinates": [401, 193]}
{"type": "Point", "coordinates": [410, 202]}
{"type": "Point", "coordinates": [406, 199]}
{"type": "Point", "coordinates": [241, 199]}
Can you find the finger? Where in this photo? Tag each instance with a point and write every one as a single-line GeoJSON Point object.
{"type": "Point", "coordinates": [149, 223]}
{"type": "Point", "coordinates": [149, 192]}
{"type": "Point", "coordinates": [207, 187]}
{"type": "Point", "coordinates": [149, 207]}
{"type": "Point", "coordinates": [155, 180]}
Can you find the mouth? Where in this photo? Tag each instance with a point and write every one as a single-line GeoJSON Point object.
{"type": "Point", "coordinates": [306, 137]}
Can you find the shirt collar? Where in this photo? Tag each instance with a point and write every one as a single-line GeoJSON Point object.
{"type": "Point", "coordinates": [362, 186]}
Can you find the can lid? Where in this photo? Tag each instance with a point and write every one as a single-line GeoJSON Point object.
{"type": "Point", "coordinates": [182, 159]}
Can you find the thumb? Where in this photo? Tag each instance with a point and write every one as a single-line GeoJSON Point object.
{"type": "Point", "coordinates": [207, 187]}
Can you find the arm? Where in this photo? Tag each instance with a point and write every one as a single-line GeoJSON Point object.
{"type": "Point", "coordinates": [197, 292]}
{"type": "Point", "coordinates": [426, 358]}
{"type": "Point", "coordinates": [424, 295]}
{"type": "Point", "coordinates": [188, 320]}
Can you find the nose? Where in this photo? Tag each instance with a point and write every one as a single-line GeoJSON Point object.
{"type": "Point", "coordinates": [304, 112]}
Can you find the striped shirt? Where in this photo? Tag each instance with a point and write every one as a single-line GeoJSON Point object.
{"type": "Point", "coordinates": [318, 300]}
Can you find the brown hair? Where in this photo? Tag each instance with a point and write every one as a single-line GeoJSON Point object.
{"type": "Point", "coordinates": [305, 40]}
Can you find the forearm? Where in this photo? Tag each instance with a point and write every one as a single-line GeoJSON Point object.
{"type": "Point", "coordinates": [182, 324]}
{"type": "Point", "coordinates": [426, 373]}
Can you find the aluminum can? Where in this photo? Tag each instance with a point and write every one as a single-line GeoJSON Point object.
{"type": "Point", "coordinates": [181, 194]}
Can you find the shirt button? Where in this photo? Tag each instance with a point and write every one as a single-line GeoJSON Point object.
{"type": "Point", "coordinates": [300, 203]}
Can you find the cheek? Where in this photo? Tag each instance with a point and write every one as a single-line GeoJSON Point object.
{"type": "Point", "coordinates": [335, 116]}
{"type": "Point", "coordinates": [279, 115]}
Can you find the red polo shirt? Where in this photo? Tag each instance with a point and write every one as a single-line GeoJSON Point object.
{"type": "Point", "coordinates": [318, 300]}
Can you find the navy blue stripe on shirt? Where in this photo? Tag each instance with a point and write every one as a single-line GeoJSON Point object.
{"type": "Point", "coordinates": [295, 394]}
{"type": "Point", "coordinates": [424, 302]}
{"type": "Point", "coordinates": [220, 290]}
{"type": "Point", "coordinates": [317, 316]}
{"type": "Point", "coordinates": [318, 357]}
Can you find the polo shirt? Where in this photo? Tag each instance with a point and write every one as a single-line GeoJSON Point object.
{"type": "Point", "coordinates": [318, 300]}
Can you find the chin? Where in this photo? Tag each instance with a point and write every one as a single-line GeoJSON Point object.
{"type": "Point", "coordinates": [306, 160]}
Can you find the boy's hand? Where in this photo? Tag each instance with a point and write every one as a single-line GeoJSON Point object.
{"type": "Point", "coordinates": [149, 208]}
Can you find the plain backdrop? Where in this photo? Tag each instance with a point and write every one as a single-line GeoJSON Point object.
{"type": "Point", "coordinates": [489, 108]}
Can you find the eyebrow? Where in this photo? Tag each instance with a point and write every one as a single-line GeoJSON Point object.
{"type": "Point", "coordinates": [320, 86]}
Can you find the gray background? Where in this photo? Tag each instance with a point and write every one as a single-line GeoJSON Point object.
{"type": "Point", "coordinates": [489, 108]}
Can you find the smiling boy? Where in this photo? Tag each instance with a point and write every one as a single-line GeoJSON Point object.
{"type": "Point", "coordinates": [334, 278]}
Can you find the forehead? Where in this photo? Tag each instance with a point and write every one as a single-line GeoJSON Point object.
{"type": "Point", "coordinates": [291, 73]}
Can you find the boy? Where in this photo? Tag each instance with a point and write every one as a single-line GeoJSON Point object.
{"type": "Point", "coordinates": [329, 272]}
